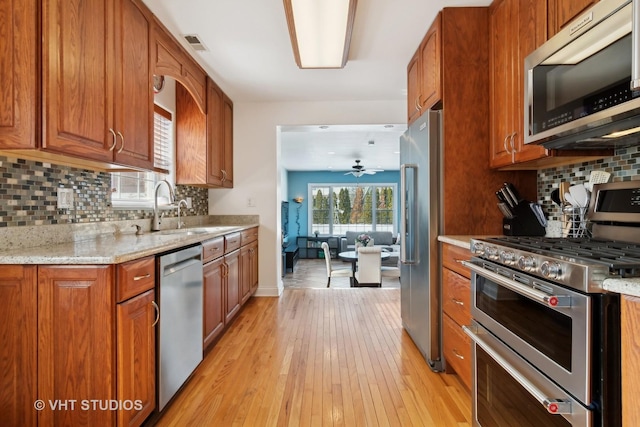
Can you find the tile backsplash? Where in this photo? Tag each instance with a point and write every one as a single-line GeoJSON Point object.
{"type": "Point", "coordinates": [623, 166]}
{"type": "Point", "coordinates": [28, 195]}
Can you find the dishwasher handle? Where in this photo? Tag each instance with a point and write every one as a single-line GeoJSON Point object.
{"type": "Point", "coordinates": [180, 265]}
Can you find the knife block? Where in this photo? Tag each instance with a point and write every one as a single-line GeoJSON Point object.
{"type": "Point", "coordinates": [523, 223]}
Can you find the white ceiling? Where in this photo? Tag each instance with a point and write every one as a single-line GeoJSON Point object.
{"type": "Point", "coordinates": [249, 56]}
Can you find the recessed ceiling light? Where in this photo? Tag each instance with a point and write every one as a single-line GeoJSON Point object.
{"type": "Point", "coordinates": [331, 152]}
{"type": "Point", "coordinates": [396, 152]}
{"type": "Point", "coordinates": [388, 126]}
{"type": "Point", "coordinates": [324, 127]}
{"type": "Point", "coordinates": [371, 142]}
{"type": "Point", "coordinates": [329, 167]}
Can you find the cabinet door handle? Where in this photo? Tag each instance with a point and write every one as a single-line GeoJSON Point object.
{"type": "Point", "coordinates": [113, 145]}
{"type": "Point", "coordinates": [146, 276]}
{"type": "Point", "coordinates": [457, 301]}
{"type": "Point", "coordinates": [122, 146]}
{"type": "Point", "coordinates": [458, 355]}
{"type": "Point", "coordinates": [157, 313]}
{"type": "Point", "coordinates": [504, 144]}
{"type": "Point", "coordinates": [224, 174]}
{"type": "Point", "coordinates": [513, 148]}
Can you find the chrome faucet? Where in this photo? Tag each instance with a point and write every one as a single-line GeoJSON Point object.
{"type": "Point", "coordinates": [157, 218]}
{"type": "Point", "coordinates": [181, 202]}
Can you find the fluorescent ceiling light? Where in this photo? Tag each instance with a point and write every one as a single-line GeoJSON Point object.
{"type": "Point", "coordinates": [320, 31]}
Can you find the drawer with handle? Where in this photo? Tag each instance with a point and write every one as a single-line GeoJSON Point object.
{"type": "Point", "coordinates": [212, 249]}
{"type": "Point", "coordinates": [457, 349]}
{"type": "Point", "coordinates": [135, 277]}
{"type": "Point", "coordinates": [452, 256]}
{"type": "Point", "coordinates": [456, 296]}
{"type": "Point", "coordinates": [248, 236]}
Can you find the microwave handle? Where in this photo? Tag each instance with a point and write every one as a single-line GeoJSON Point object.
{"type": "Point", "coordinates": [553, 406]}
{"type": "Point", "coordinates": [635, 45]}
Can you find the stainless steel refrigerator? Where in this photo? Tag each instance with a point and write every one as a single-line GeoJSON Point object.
{"type": "Point", "coordinates": [420, 224]}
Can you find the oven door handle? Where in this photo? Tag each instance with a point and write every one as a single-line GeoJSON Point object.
{"type": "Point", "coordinates": [553, 406]}
{"type": "Point", "coordinates": [553, 301]}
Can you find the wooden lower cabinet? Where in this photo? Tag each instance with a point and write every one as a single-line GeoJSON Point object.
{"type": "Point", "coordinates": [136, 358]}
{"type": "Point", "coordinates": [630, 319]}
{"type": "Point", "coordinates": [456, 305]}
{"type": "Point", "coordinates": [214, 302]}
{"type": "Point", "coordinates": [249, 273]}
{"type": "Point", "coordinates": [76, 348]}
{"type": "Point", "coordinates": [232, 285]}
{"type": "Point", "coordinates": [18, 349]}
{"type": "Point", "coordinates": [66, 341]}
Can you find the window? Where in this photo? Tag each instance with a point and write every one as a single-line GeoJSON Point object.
{"type": "Point", "coordinates": [338, 208]}
{"type": "Point", "coordinates": [136, 189]}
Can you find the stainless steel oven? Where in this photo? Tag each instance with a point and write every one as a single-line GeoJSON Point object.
{"type": "Point", "coordinates": [511, 392]}
{"type": "Point", "coordinates": [537, 350]}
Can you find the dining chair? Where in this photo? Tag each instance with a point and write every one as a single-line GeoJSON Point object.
{"type": "Point", "coordinates": [369, 271]}
{"type": "Point", "coordinates": [334, 272]}
{"type": "Point", "coordinates": [388, 271]}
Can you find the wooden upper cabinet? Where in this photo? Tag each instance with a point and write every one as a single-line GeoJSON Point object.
{"type": "Point", "coordinates": [19, 74]}
{"type": "Point", "coordinates": [501, 81]}
{"type": "Point", "coordinates": [561, 12]}
{"type": "Point", "coordinates": [517, 28]}
{"type": "Point", "coordinates": [78, 78]}
{"type": "Point", "coordinates": [413, 87]}
{"type": "Point", "coordinates": [424, 73]}
{"type": "Point", "coordinates": [227, 141]}
{"type": "Point", "coordinates": [430, 52]}
{"type": "Point", "coordinates": [134, 94]}
{"type": "Point", "coordinates": [96, 80]}
{"type": "Point", "coordinates": [205, 142]}
{"type": "Point", "coordinates": [170, 59]}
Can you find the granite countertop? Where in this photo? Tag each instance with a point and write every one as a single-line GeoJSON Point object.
{"type": "Point", "coordinates": [462, 241]}
{"type": "Point", "coordinates": [629, 286]}
{"type": "Point", "coordinates": [116, 248]}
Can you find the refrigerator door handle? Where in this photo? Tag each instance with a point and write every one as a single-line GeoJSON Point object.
{"type": "Point", "coordinates": [408, 207]}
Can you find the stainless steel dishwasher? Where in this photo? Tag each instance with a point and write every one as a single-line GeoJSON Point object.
{"type": "Point", "coordinates": [180, 323]}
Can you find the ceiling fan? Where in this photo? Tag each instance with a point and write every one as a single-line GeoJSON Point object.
{"type": "Point", "coordinates": [359, 170]}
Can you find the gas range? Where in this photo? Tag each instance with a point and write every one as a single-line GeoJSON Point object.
{"type": "Point", "coordinates": [578, 263]}
{"type": "Point", "coordinates": [611, 250]}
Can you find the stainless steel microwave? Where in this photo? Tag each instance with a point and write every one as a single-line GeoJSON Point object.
{"type": "Point", "coordinates": [578, 85]}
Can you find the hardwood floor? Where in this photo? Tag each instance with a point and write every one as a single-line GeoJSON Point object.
{"type": "Point", "coordinates": [319, 357]}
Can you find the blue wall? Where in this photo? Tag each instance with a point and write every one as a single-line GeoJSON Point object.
{"type": "Point", "coordinates": [298, 187]}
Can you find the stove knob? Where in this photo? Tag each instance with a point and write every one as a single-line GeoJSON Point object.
{"type": "Point", "coordinates": [478, 248]}
{"type": "Point", "coordinates": [507, 257]}
{"type": "Point", "coordinates": [492, 253]}
{"type": "Point", "coordinates": [550, 270]}
{"type": "Point", "coordinates": [526, 263]}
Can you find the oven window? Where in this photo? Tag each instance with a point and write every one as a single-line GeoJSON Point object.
{"type": "Point", "coordinates": [543, 328]}
{"type": "Point", "coordinates": [503, 402]}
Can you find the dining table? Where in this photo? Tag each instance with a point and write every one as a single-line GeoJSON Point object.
{"type": "Point", "coordinates": [352, 257]}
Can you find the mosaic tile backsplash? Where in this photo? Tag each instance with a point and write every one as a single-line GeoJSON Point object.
{"type": "Point", "coordinates": [623, 166]}
{"type": "Point", "coordinates": [28, 195]}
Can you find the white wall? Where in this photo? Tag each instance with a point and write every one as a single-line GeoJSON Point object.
{"type": "Point", "coordinates": [257, 174]}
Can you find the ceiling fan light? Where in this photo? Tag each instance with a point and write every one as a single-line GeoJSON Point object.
{"type": "Point", "coordinates": [320, 31]}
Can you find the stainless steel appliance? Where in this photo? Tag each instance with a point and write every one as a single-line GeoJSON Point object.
{"type": "Point", "coordinates": [546, 334]}
{"type": "Point", "coordinates": [420, 225]}
{"type": "Point", "coordinates": [180, 326]}
{"type": "Point", "coordinates": [581, 86]}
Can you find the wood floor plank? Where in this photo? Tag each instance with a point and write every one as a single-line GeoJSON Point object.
{"type": "Point", "coordinates": [319, 357]}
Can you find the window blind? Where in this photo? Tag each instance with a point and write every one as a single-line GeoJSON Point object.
{"type": "Point", "coordinates": [162, 129]}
